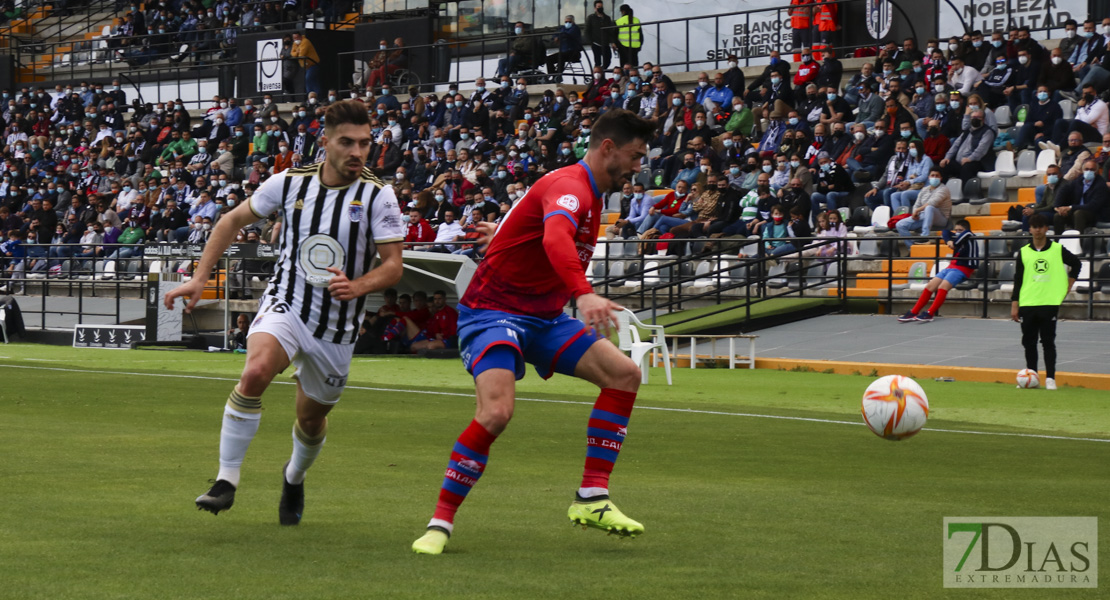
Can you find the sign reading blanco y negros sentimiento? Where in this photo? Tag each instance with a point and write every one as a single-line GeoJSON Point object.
{"type": "Point", "coordinates": [999, 15]}
{"type": "Point", "coordinates": [1020, 552]}
{"type": "Point", "coordinates": [755, 34]}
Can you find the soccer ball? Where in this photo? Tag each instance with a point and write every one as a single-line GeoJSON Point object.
{"type": "Point", "coordinates": [1028, 379]}
{"type": "Point", "coordinates": [895, 407]}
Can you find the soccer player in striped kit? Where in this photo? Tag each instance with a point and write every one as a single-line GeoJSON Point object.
{"type": "Point", "coordinates": [512, 313]}
{"type": "Point", "coordinates": [335, 216]}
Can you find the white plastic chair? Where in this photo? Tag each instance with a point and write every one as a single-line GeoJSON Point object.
{"type": "Point", "coordinates": [1045, 159]}
{"type": "Point", "coordinates": [1067, 107]}
{"type": "Point", "coordinates": [1002, 165]}
{"type": "Point", "coordinates": [629, 337]}
{"type": "Point", "coordinates": [879, 218]}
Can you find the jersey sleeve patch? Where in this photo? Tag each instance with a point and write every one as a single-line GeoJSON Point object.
{"type": "Point", "coordinates": [569, 202]}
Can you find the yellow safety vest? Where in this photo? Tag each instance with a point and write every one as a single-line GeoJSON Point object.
{"type": "Point", "coordinates": [629, 36]}
{"type": "Point", "coordinates": [1045, 281]}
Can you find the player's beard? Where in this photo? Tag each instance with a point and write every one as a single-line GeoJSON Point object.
{"type": "Point", "coordinates": [344, 169]}
{"type": "Point", "coordinates": [617, 179]}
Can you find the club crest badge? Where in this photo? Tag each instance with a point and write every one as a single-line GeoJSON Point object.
{"type": "Point", "coordinates": [568, 202]}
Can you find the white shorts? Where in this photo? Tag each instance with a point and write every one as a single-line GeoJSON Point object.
{"type": "Point", "coordinates": [322, 367]}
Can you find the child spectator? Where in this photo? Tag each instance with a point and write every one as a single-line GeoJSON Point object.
{"type": "Point", "coordinates": [965, 259]}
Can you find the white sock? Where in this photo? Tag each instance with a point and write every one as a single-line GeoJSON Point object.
{"type": "Point", "coordinates": [450, 527]}
{"type": "Point", "coordinates": [305, 450]}
{"type": "Point", "coordinates": [587, 493]}
{"type": "Point", "coordinates": [242, 415]}
{"type": "Point", "coordinates": [235, 437]}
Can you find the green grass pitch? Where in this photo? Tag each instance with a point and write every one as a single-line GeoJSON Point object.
{"type": "Point", "coordinates": [104, 452]}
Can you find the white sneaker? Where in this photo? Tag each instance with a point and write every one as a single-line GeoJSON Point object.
{"type": "Point", "coordinates": [1049, 383]}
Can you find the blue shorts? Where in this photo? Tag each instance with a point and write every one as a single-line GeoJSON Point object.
{"type": "Point", "coordinates": [492, 339]}
{"type": "Point", "coordinates": [953, 276]}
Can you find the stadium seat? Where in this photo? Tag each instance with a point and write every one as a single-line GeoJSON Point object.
{"type": "Point", "coordinates": [597, 271]}
{"type": "Point", "coordinates": [775, 277]}
{"type": "Point", "coordinates": [1071, 243]}
{"type": "Point", "coordinates": [994, 281]}
{"type": "Point", "coordinates": [666, 272]}
{"type": "Point", "coordinates": [973, 191]}
{"type": "Point", "coordinates": [1006, 276]}
{"type": "Point", "coordinates": [918, 276]}
{"type": "Point", "coordinates": [615, 249]}
{"type": "Point", "coordinates": [702, 274]}
{"type": "Point", "coordinates": [628, 337]}
{"type": "Point", "coordinates": [879, 218]}
{"type": "Point", "coordinates": [685, 270]}
{"type": "Point", "coordinates": [1003, 116]}
{"type": "Point", "coordinates": [616, 273]}
{"type": "Point", "coordinates": [1004, 164]}
{"type": "Point", "coordinates": [997, 191]}
{"type": "Point", "coordinates": [1045, 159]}
{"type": "Point", "coordinates": [1021, 113]}
{"type": "Point", "coordinates": [815, 275]}
{"type": "Point", "coordinates": [997, 247]}
{"type": "Point", "coordinates": [1102, 280]}
{"type": "Point", "coordinates": [976, 280]}
{"type": "Point", "coordinates": [1068, 108]}
{"type": "Point", "coordinates": [738, 273]}
{"type": "Point", "coordinates": [869, 246]}
{"type": "Point", "coordinates": [956, 190]}
{"type": "Point", "coordinates": [651, 273]}
{"type": "Point", "coordinates": [1027, 164]}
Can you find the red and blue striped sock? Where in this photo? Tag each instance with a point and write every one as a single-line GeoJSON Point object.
{"type": "Point", "coordinates": [468, 461]}
{"type": "Point", "coordinates": [604, 436]}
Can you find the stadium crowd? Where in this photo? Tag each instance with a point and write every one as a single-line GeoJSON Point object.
{"type": "Point", "coordinates": [774, 156]}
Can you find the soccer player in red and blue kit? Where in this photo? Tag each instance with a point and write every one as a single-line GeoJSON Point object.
{"type": "Point", "coordinates": [512, 313]}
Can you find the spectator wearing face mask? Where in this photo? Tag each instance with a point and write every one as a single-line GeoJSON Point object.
{"type": "Point", "coordinates": [1083, 202]}
{"type": "Point", "coordinates": [832, 186]}
{"type": "Point", "coordinates": [776, 68]}
{"type": "Point", "coordinates": [1092, 119]}
{"type": "Point", "coordinates": [933, 207]}
{"type": "Point", "coordinates": [1057, 75]}
{"type": "Point", "coordinates": [965, 158]}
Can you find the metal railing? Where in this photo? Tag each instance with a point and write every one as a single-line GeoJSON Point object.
{"type": "Point", "coordinates": [995, 252]}
{"type": "Point", "coordinates": [97, 58]}
{"type": "Point", "coordinates": [79, 17]}
{"type": "Point", "coordinates": [741, 269]}
{"type": "Point", "coordinates": [695, 33]}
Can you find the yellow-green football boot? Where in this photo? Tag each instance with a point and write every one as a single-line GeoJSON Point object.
{"type": "Point", "coordinates": [600, 513]}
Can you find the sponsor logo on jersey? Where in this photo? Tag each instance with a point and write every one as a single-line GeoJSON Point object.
{"type": "Point", "coordinates": [568, 202]}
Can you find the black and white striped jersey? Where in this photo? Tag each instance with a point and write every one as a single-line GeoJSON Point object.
{"type": "Point", "coordinates": [325, 227]}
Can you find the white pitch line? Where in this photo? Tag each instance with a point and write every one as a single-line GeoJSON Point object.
{"type": "Point", "coordinates": [550, 401]}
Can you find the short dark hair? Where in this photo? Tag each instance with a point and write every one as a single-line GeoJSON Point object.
{"type": "Point", "coordinates": [622, 127]}
{"type": "Point", "coordinates": [964, 223]}
{"type": "Point", "coordinates": [1037, 220]}
{"type": "Point", "coordinates": [346, 111]}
